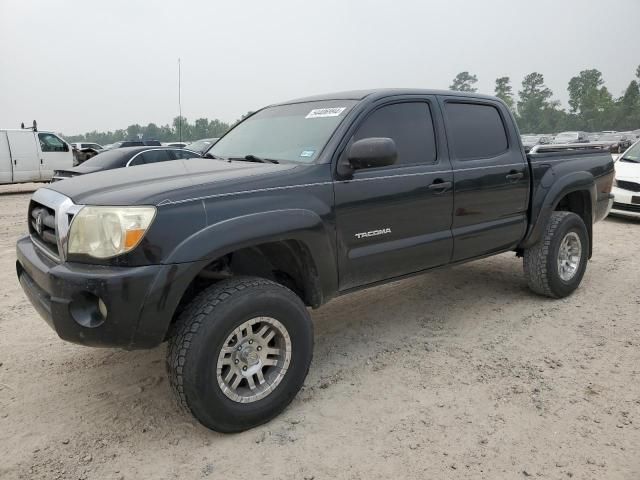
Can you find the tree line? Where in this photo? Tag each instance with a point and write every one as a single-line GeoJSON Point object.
{"type": "Point", "coordinates": [591, 106]}
{"type": "Point", "coordinates": [180, 129]}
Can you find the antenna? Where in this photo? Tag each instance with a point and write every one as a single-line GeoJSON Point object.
{"type": "Point", "coordinates": [179, 102]}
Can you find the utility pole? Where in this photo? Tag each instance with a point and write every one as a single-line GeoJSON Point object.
{"type": "Point", "coordinates": [179, 102]}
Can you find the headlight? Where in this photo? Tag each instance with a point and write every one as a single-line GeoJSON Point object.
{"type": "Point", "coordinates": [104, 232]}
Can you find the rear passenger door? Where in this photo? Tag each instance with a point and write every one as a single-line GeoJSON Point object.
{"type": "Point", "coordinates": [391, 220]}
{"type": "Point", "coordinates": [491, 177]}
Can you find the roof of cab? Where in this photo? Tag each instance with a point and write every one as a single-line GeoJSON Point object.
{"type": "Point", "coordinates": [374, 94]}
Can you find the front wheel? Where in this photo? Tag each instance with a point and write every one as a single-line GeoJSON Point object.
{"type": "Point", "coordinates": [241, 352]}
{"type": "Point", "coordinates": [554, 267]}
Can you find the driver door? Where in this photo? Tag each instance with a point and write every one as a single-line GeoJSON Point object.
{"type": "Point", "coordinates": [396, 220]}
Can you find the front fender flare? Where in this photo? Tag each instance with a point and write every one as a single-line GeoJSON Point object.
{"type": "Point", "coordinates": [226, 236]}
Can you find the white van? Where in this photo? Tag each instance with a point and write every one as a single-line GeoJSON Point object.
{"type": "Point", "coordinates": [31, 156]}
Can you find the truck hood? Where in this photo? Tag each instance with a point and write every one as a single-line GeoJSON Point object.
{"type": "Point", "coordinates": [169, 181]}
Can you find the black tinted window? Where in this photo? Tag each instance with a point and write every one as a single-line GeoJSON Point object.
{"type": "Point", "coordinates": [153, 156]}
{"type": "Point", "coordinates": [475, 131]}
{"type": "Point", "coordinates": [178, 154]}
{"type": "Point", "coordinates": [409, 125]}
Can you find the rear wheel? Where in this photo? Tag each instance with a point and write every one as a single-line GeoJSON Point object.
{"type": "Point", "coordinates": [555, 266]}
{"type": "Point", "coordinates": [241, 352]}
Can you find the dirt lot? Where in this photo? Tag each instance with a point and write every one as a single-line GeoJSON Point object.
{"type": "Point", "coordinates": [460, 373]}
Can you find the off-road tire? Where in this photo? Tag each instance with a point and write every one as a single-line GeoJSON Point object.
{"type": "Point", "coordinates": [199, 335]}
{"type": "Point", "coordinates": [541, 260]}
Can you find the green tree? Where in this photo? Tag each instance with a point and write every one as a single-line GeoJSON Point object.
{"type": "Point", "coordinates": [151, 132]}
{"type": "Point", "coordinates": [134, 131]}
{"type": "Point", "coordinates": [464, 82]}
{"type": "Point", "coordinates": [504, 91]}
{"type": "Point", "coordinates": [627, 114]}
{"type": "Point", "coordinates": [534, 103]}
{"type": "Point", "coordinates": [638, 72]}
{"type": "Point", "coordinates": [200, 128]}
{"type": "Point", "coordinates": [590, 99]}
{"type": "Point", "coordinates": [181, 129]}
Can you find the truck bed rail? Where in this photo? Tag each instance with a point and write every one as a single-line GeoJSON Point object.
{"type": "Point", "coordinates": [563, 147]}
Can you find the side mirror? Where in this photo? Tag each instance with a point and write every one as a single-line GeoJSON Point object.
{"type": "Point", "coordinates": [372, 152]}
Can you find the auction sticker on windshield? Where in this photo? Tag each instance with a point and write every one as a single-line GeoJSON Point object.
{"type": "Point", "coordinates": [325, 112]}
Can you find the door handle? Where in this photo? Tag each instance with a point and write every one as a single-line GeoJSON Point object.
{"type": "Point", "coordinates": [439, 186]}
{"type": "Point", "coordinates": [514, 176]}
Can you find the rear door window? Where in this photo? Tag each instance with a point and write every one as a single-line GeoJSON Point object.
{"type": "Point", "coordinates": [409, 125]}
{"type": "Point", "coordinates": [154, 156]}
{"type": "Point", "coordinates": [180, 154]}
{"type": "Point", "coordinates": [475, 130]}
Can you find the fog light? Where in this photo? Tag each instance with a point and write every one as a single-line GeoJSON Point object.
{"type": "Point", "coordinates": [88, 310]}
{"type": "Point", "coordinates": [103, 308]}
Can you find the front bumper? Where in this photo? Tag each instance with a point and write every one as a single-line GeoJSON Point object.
{"type": "Point", "coordinates": [140, 301]}
{"type": "Point", "coordinates": [625, 203]}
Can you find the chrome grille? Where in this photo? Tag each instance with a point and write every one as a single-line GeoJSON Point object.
{"type": "Point", "coordinates": [42, 226]}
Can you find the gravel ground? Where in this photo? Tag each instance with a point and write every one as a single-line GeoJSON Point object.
{"type": "Point", "coordinates": [461, 373]}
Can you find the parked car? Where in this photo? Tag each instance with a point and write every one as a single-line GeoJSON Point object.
{"type": "Point", "coordinates": [626, 187]}
{"type": "Point", "coordinates": [304, 201]}
{"type": "Point", "coordinates": [529, 141]}
{"type": "Point", "coordinates": [29, 155]}
{"type": "Point", "coordinates": [202, 145]}
{"type": "Point", "coordinates": [133, 143]}
{"type": "Point", "coordinates": [593, 137]}
{"type": "Point", "coordinates": [83, 151]}
{"type": "Point", "coordinates": [175, 144]}
{"type": "Point", "coordinates": [124, 157]}
{"type": "Point", "coordinates": [571, 137]}
{"type": "Point", "coordinates": [616, 142]}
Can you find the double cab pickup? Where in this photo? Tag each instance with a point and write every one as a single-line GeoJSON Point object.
{"type": "Point", "coordinates": [299, 203]}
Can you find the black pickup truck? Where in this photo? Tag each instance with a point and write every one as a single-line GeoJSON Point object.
{"type": "Point", "coordinates": [297, 204]}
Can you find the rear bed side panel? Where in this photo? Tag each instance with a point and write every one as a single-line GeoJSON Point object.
{"type": "Point", "coordinates": [554, 175]}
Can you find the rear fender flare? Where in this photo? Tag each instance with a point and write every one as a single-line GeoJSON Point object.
{"type": "Point", "coordinates": [548, 201]}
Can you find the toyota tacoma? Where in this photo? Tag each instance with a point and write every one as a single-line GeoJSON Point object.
{"type": "Point", "coordinates": [299, 203]}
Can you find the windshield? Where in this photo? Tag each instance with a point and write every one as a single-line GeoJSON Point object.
{"type": "Point", "coordinates": [633, 154]}
{"type": "Point", "coordinates": [295, 133]}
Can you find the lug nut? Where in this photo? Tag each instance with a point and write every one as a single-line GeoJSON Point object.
{"type": "Point", "coordinates": [244, 369]}
{"type": "Point", "coordinates": [237, 361]}
{"type": "Point", "coordinates": [250, 342]}
{"type": "Point", "coordinates": [239, 348]}
{"type": "Point", "coordinates": [259, 348]}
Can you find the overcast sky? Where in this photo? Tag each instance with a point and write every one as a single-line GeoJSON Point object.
{"type": "Point", "coordinates": [77, 66]}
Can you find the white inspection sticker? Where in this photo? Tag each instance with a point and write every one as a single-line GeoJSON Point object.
{"type": "Point", "coordinates": [325, 112]}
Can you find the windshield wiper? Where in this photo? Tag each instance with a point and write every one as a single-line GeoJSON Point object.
{"type": "Point", "coordinates": [211, 155]}
{"type": "Point", "coordinates": [631, 160]}
{"type": "Point", "coordinates": [253, 158]}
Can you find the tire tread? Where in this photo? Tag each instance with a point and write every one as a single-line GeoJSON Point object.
{"type": "Point", "coordinates": [189, 323]}
{"type": "Point", "coordinates": [536, 258]}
